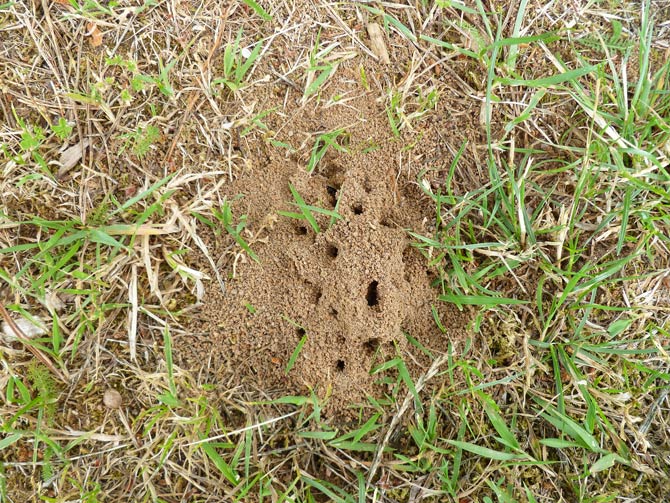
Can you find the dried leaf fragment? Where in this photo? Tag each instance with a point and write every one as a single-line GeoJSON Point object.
{"type": "Point", "coordinates": [377, 43]}
{"type": "Point", "coordinates": [94, 32]}
{"type": "Point", "coordinates": [71, 156]}
{"type": "Point", "coordinates": [27, 328]}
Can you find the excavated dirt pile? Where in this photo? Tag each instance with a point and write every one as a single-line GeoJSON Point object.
{"type": "Point", "coordinates": [352, 292]}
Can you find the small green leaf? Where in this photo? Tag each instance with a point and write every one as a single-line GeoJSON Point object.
{"type": "Point", "coordinates": [355, 446]}
{"type": "Point", "coordinates": [569, 427]}
{"type": "Point", "coordinates": [277, 143]}
{"type": "Point", "coordinates": [498, 423]}
{"type": "Point", "coordinates": [559, 443]}
{"type": "Point", "coordinates": [321, 435]}
{"type": "Point", "coordinates": [258, 10]}
{"type": "Point", "coordinates": [619, 326]}
{"type": "Point", "coordinates": [9, 440]}
{"type": "Point", "coordinates": [296, 353]}
{"type": "Point", "coordinates": [291, 400]}
{"type": "Point", "coordinates": [322, 211]}
{"type": "Point", "coordinates": [97, 236]}
{"type": "Point", "coordinates": [169, 399]}
{"type": "Point", "coordinates": [305, 209]}
{"type": "Point", "coordinates": [406, 378]}
{"type": "Point", "coordinates": [220, 464]}
{"type": "Point", "coordinates": [325, 72]}
{"type": "Point", "coordinates": [606, 462]}
{"type": "Point", "coordinates": [549, 81]}
{"type": "Point", "coordinates": [63, 129]}
{"type": "Point", "coordinates": [143, 194]}
{"type": "Point", "coordinates": [327, 489]}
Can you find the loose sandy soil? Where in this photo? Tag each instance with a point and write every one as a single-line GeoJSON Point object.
{"type": "Point", "coordinates": [357, 288]}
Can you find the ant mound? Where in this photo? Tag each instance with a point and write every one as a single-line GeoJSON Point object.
{"type": "Point", "coordinates": [334, 295]}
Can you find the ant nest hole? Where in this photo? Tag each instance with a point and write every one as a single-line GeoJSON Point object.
{"type": "Point", "coordinates": [386, 222]}
{"type": "Point", "coordinates": [357, 209]}
{"type": "Point", "coordinates": [371, 345]}
{"type": "Point", "coordinates": [373, 295]}
{"type": "Point", "coordinates": [332, 192]}
{"type": "Point", "coordinates": [301, 230]}
{"type": "Point", "coordinates": [332, 251]}
{"type": "Point", "coordinates": [340, 365]}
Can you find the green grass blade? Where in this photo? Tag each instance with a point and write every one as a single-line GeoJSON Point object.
{"type": "Point", "coordinates": [560, 78]}
{"type": "Point", "coordinates": [305, 209]}
{"type": "Point", "coordinates": [606, 462]}
{"type": "Point", "coordinates": [518, 22]}
{"type": "Point", "coordinates": [323, 211]}
{"type": "Point", "coordinates": [480, 300]}
{"type": "Point", "coordinates": [130, 202]}
{"type": "Point", "coordinates": [320, 435]}
{"type": "Point", "coordinates": [450, 47]}
{"type": "Point", "coordinates": [407, 379]}
{"type": "Point", "coordinates": [570, 428]}
{"type": "Point", "coordinates": [328, 490]}
{"type": "Point", "coordinates": [260, 11]}
{"type": "Point", "coordinates": [498, 422]}
{"type": "Point", "coordinates": [241, 71]}
{"type": "Point", "coordinates": [324, 73]}
{"type": "Point", "coordinates": [220, 463]}
{"type": "Point", "coordinates": [484, 452]}
{"type": "Point", "coordinates": [9, 440]}
{"type": "Point", "coordinates": [295, 354]}
{"type": "Point", "coordinates": [559, 443]}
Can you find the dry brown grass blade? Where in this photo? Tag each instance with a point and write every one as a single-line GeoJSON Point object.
{"type": "Point", "coordinates": [132, 314]}
{"type": "Point", "coordinates": [194, 95]}
{"type": "Point", "coordinates": [36, 352]}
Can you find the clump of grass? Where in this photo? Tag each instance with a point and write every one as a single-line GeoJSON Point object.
{"type": "Point", "coordinates": [492, 237]}
{"type": "Point", "coordinates": [233, 226]}
{"type": "Point", "coordinates": [324, 142]}
{"type": "Point", "coordinates": [403, 108]}
{"type": "Point", "coordinates": [308, 211]}
{"type": "Point", "coordinates": [319, 68]}
{"type": "Point", "coordinates": [237, 61]}
{"type": "Point", "coordinates": [225, 216]}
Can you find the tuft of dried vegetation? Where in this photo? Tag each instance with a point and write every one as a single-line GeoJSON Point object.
{"type": "Point", "coordinates": [122, 123]}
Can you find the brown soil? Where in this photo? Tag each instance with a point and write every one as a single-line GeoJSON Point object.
{"type": "Point", "coordinates": [353, 289]}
